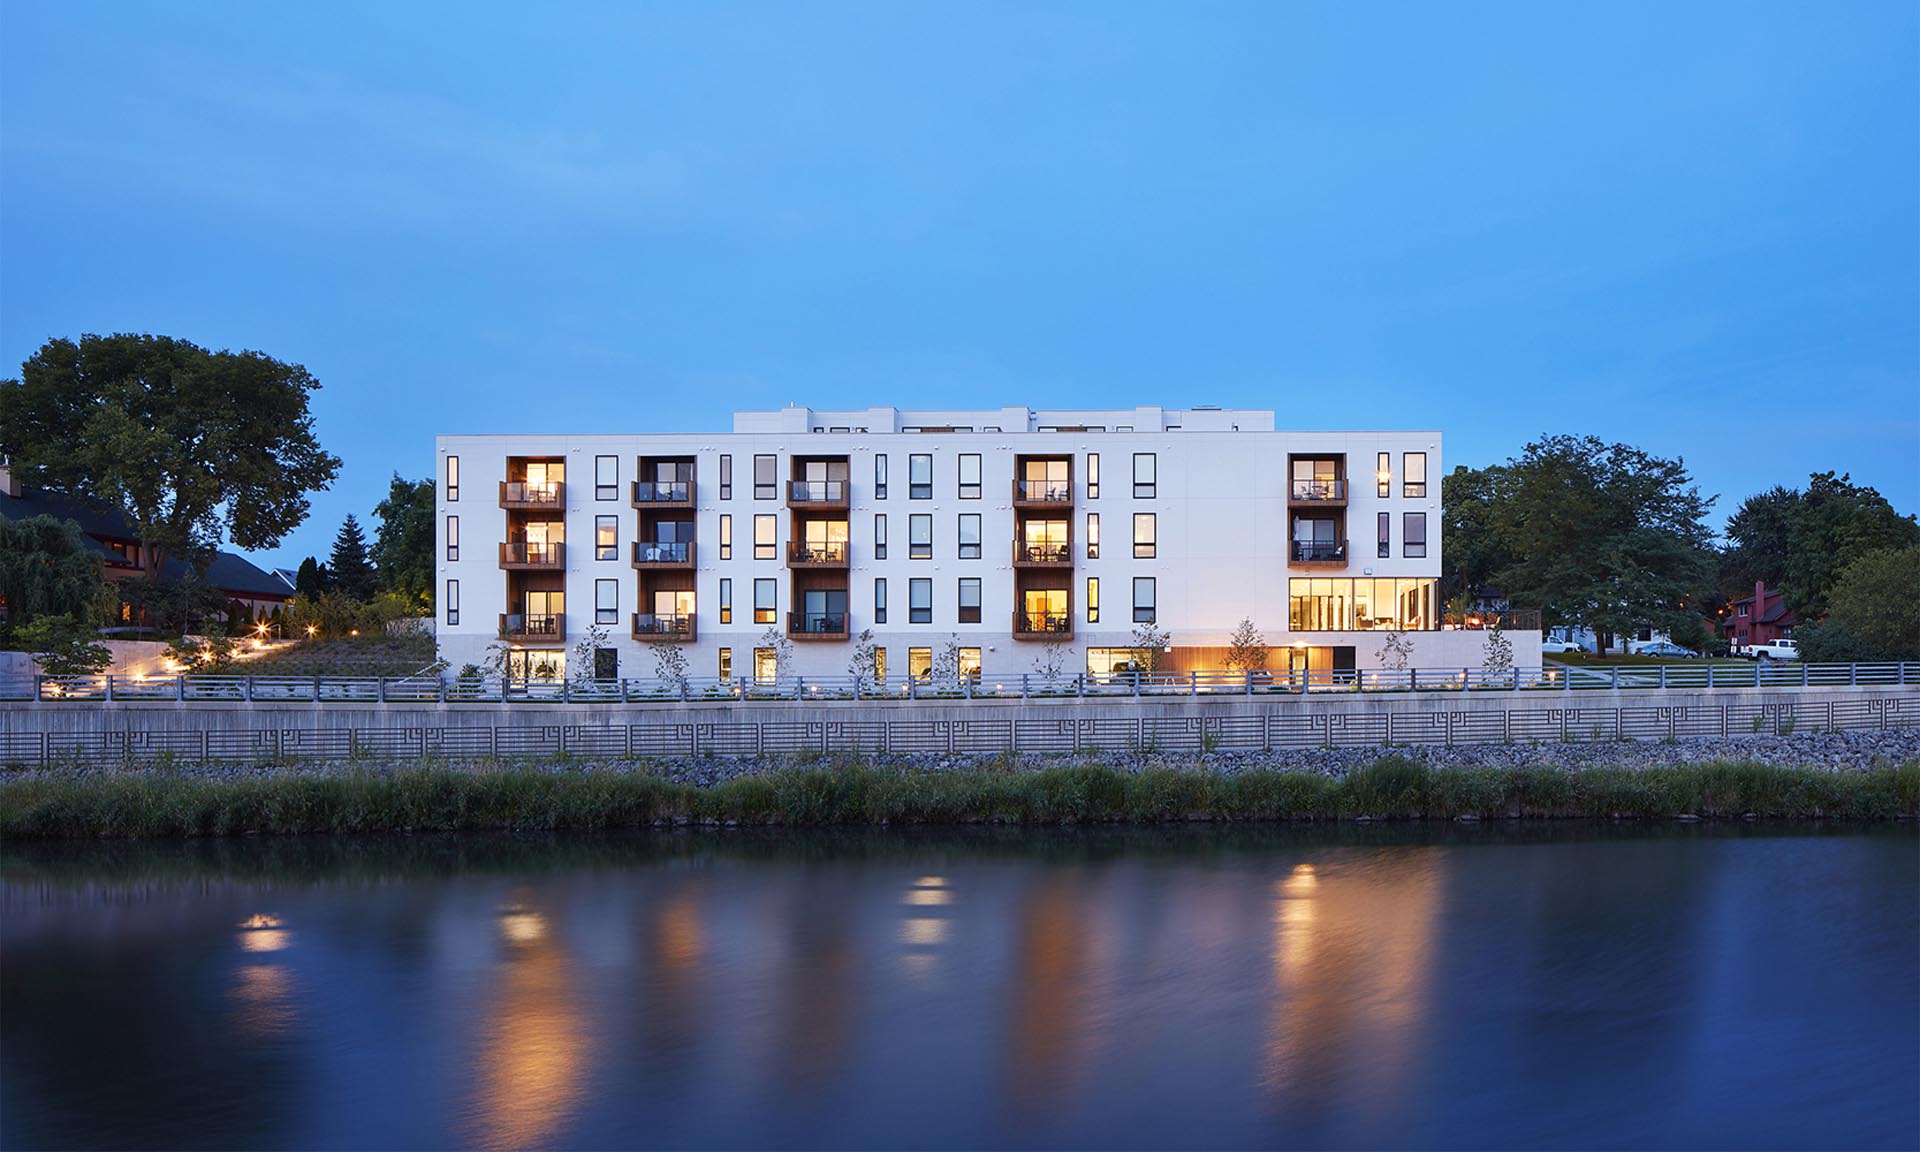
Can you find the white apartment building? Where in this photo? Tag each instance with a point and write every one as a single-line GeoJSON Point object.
{"type": "Point", "coordinates": [1025, 537]}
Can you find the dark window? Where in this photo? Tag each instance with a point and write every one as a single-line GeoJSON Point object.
{"type": "Point", "coordinates": [970, 476]}
{"type": "Point", "coordinates": [880, 600]}
{"type": "Point", "coordinates": [726, 477]}
{"type": "Point", "coordinates": [453, 603]}
{"type": "Point", "coordinates": [1146, 476]}
{"type": "Point", "coordinates": [880, 476]}
{"type": "Point", "coordinates": [1413, 534]}
{"type": "Point", "coordinates": [764, 599]}
{"type": "Point", "coordinates": [1143, 600]}
{"type": "Point", "coordinates": [765, 484]}
{"type": "Point", "coordinates": [970, 600]}
{"type": "Point", "coordinates": [606, 477]}
{"type": "Point", "coordinates": [970, 536]}
{"type": "Point", "coordinates": [879, 535]}
{"type": "Point", "coordinates": [920, 476]}
{"type": "Point", "coordinates": [920, 537]}
{"type": "Point", "coordinates": [1413, 475]}
{"type": "Point", "coordinates": [1386, 535]}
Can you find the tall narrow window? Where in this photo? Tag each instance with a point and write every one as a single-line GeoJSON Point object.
{"type": "Point", "coordinates": [880, 476]}
{"type": "Point", "coordinates": [606, 537]}
{"type": "Point", "coordinates": [970, 536]}
{"type": "Point", "coordinates": [453, 478]}
{"type": "Point", "coordinates": [1385, 547]}
{"type": "Point", "coordinates": [726, 601]}
{"type": "Point", "coordinates": [1146, 476]}
{"type": "Point", "coordinates": [920, 663]}
{"type": "Point", "coordinates": [453, 603]}
{"type": "Point", "coordinates": [725, 667]}
{"type": "Point", "coordinates": [879, 535]}
{"type": "Point", "coordinates": [765, 485]}
{"type": "Point", "coordinates": [453, 537]}
{"type": "Point", "coordinates": [726, 476]}
{"type": "Point", "coordinates": [1383, 476]}
{"type": "Point", "coordinates": [606, 477]}
{"type": "Point", "coordinates": [920, 476]}
{"type": "Point", "coordinates": [1093, 535]}
{"type": "Point", "coordinates": [969, 603]}
{"type": "Point", "coordinates": [1413, 535]}
{"type": "Point", "coordinates": [920, 601]}
{"type": "Point", "coordinates": [1093, 599]}
{"type": "Point", "coordinates": [1413, 475]}
{"type": "Point", "coordinates": [920, 537]}
{"type": "Point", "coordinates": [1093, 475]}
{"type": "Point", "coordinates": [880, 600]}
{"type": "Point", "coordinates": [880, 665]}
{"type": "Point", "coordinates": [1146, 535]}
{"type": "Point", "coordinates": [726, 536]}
{"type": "Point", "coordinates": [606, 601]}
{"type": "Point", "coordinates": [765, 546]}
{"type": "Point", "coordinates": [764, 599]}
{"type": "Point", "coordinates": [970, 476]}
{"type": "Point", "coordinates": [1145, 607]}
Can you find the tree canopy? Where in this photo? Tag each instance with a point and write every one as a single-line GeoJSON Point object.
{"type": "Point", "coordinates": [47, 569]}
{"type": "Point", "coordinates": [1874, 610]}
{"type": "Point", "coordinates": [403, 542]}
{"type": "Point", "coordinates": [188, 444]}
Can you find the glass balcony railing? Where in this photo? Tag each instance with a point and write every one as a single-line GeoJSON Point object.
{"type": "Point", "coordinates": [550, 625]}
{"type": "Point", "coordinates": [1042, 552]}
{"type": "Point", "coordinates": [548, 494]}
{"type": "Point", "coordinates": [533, 555]}
{"type": "Point", "coordinates": [662, 492]}
{"type": "Point", "coordinates": [1320, 489]}
{"type": "Point", "coordinates": [817, 492]}
{"type": "Point", "coordinates": [656, 624]}
{"type": "Point", "coordinates": [1042, 622]}
{"type": "Point", "coordinates": [1319, 551]}
{"type": "Point", "coordinates": [663, 552]}
{"type": "Point", "coordinates": [821, 552]}
{"type": "Point", "coordinates": [1043, 492]}
{"type": "Point", "coordinates": [817, 623]}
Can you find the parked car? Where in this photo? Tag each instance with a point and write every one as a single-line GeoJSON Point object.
{"type": "Point", "coordinates": [1666, 650]}
{"type": "Point", "coordinates": [1773, 650]}
{"type": "Point", "coordinates": [1561, 647]}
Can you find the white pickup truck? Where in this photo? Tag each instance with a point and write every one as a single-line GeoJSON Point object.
{"type": "Point", "coordinates": [1772, 650]}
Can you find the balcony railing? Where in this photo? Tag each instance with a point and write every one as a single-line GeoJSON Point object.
{"type": "Point", "coordinates": [826, 553]}
{"type": "Point", "coordinates": [527, 554]}
{"type": "Point", "coordinates": [1032, 492]}
{"type": "Point", "coordinates": [1027, 553]}
{"type": "Point", "coordinates": [817, 625]}
{"type": "Point", "coordinates": [658, 492]}
{"type": "Point", "coordinates": [1513, 619]}
{"type": "Point", "coordinates": [539, 626]}
{"type": "Point", "coordinates": [820, 492]}
{"type": "Point", "coordinates": [1043, 623]}
{"type": "Point", "coordinates": [1319, 551]}
{"type": "Point", "coordinates": [522, 494]}
{"type": "Point", "coordinates": [654, 626]}
{"type": "Point", "coordinates": [648, 553]}
{"type": "Point", "coordinates": [1316, 490]}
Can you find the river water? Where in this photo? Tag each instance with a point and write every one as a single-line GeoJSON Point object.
{"type": "Point", "coordinates": [1285, 987]}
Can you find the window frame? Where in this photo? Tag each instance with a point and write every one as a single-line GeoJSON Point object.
{"type": "Point", "coordinates": [918, 549]}
{"type": "Point", "coordinates": [919, 489]}
{"type": "Point", "coordinates": [726, 535]}
{"type": "Point", "coordinates": [879, 599]}
{"type": "Point", "coordinates": [1093, 535]}
{"type": "Point", "coordinates": [1093, 599]}
{"type": "Point", "coordinates": [453, 602]}
{"type": "Point", "coordinates": [606, 613]}
{"type": "Point", "coordinates": [1383, 526]}
{"type": "Point", "coordinates": [726, 476]}
{"type": "Point", "coordinates": [1152, 608]}
{"type": "Point", "coordinates": [453, 537]}
{"type": "Point", "coordinates": [1093, 475]}
{"type": "Point", "coordinates": [769, 549]}
{"type": "Point", "coordinates": [879, 535]}
{"type": "Point", "coordinates": [879, 475]}
{"type": "Point", "coordinates": [723, 665]}
{"type": "Point", "coordinates": [960, 541]}
{"type": "Point", "coordinates": [1383, 475]}
{"type": "Point", "coordinates": [771, 613]}
{"type": "Point", "coordinates": [1151, 484]}
{"type": "Point", "coordinates": [1410, 488]}
{"type": "Point", "coordinates": [1149, 548]}
{"type": "Point", "coordinates": [453, 479]}
{"type": "Point", "coordinates": [604, 489]}
{"type": "Point", "coordinates": [969, 489]}
{"type": "Point", "coordinates": [611, 549]}
{"type": "Point", "coordinates": [770, 488]}
{"type": "Point", "coordinates": [917, 612]}
{"type": "Point", "coordinates": [1410, 548]}
{"type": "Point", "coordinates": [961, 607]}
{"type": "Point", "coordinates": [726, 600]}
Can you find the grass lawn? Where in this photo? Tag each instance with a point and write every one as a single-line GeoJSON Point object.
{"type": "Point", "coordinates": [358, 656]}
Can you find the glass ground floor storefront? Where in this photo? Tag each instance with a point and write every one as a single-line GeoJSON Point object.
{"type": "Point", "coordinates": [1366, 604]}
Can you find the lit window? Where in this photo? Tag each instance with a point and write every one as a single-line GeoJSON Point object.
{"type": "Point", "coordinates": [453, 537]}
{"type": "Point", "coordinates": [606, 538]}
{"type": "Point", "coordinates": [726, 664]}
{"type": "Point", "coordinates": [726, 536]}
{"type": "Point", "coordinates": [1093, 475]}
{"type": "Point", "coordinates": [1383, 476]}
{"type": "Point", "coordinates": [765, 546]}
{"type": "Point", "coordinates": [453, 478]}
{"type": "Point", "coordinates": [1093, 535]}
{"type": "Point", "coordinates": [920, 663]}
{"type": "Point", "coordinates": [1093, 599]}
{"type": "Point", "coordinates": [764, 599]}
{"type": "Point", "coordinates": [1145, 535]}
{"type": "Point", "coordinates": [726, 601]}
{"type": "Point", "coordinates": [1413, 480]}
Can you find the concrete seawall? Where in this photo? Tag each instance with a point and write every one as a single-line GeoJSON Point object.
{"type": "Point", "coordinates": [34, 734]}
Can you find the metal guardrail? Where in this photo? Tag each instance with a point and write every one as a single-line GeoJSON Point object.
{"type": "Point", "coordinates": [421, 689]}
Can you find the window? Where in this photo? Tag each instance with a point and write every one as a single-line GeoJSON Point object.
{"type": "Point", "coordinates": [453, 603]}
{"type": "Point", "coordinates": [726, 483]}
{"type": "Point", "coordinates": [880, 664]}
{"type": "Point", "coordinates": [453, 478]}
{"type": "Point", "coordinates": [1386, 535]}
{"type": "Point", "coordinates": [606, 601]}
{"type": "Point", "coordinates": [726, 601]}
{"type": "Point", "coordinates": [920, 476]}
{"type": "Point", "coordinates": [1093, 475]}
{"type": "Point", "coordinates": [764, 599]}
{"type": "Point", "coordinates": [765, 547]}
{"type": "Point", "coordinates": [1146, 474]}
{"type": "Point", "coordinates": [726, 664]}
{"type": "Point", "coordinates": [606, 538]}
{"type": "Point", "coordinates": [1383, 476]}
{"type": "Point", "coordinates": [765, 486]}
{"type": "Point", "coordinates": [880, 476]}
{"type": "Point", "coordinates": [920, 663]}
{"type": "Point", "coordinates": [1144, 607]}
{"type": "Point", "coordinates": [1093, 599]}
{"type": "Point", "coordinates": [726, 536]}
{"type": "Point", "coordinates": [1093, 535]}
{"type": "Point", "coordinates": [1413, 475]}
{"type": "Point", "coordinates": [880, 600]}
{"type": "Point", "coordinates": [766, 665]}
{"type": "Point", "coordinates": [1413, 534]}
{"type": "Point", "coordinates": [453, 537]}
{"type": "Point", "coordinates": [919, 601]}
{"type": "Point", "coordinates": [970, 664]}
{"type": "Point", "coordinates": [606, 477]}
{"type": "Point", "coordinates": [969, 600]}
{"type": "Point", "coordinates": [1367, 605]}
{"type": "Point", "coordinates": [879, 535]}
{"type": "Point", "coordinates": [970, 476]}
{"type": "Point", "coordinates": [970, 536]}
{"type": "Point", "coordinates": [920, 537]}
{"type": "Point", "coordinates": [1145, 535]}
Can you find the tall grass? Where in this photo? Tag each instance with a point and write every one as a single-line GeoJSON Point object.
{"type": "Point", "coordinates": [858, 792]}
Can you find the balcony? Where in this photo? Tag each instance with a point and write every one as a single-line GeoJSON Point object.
{"type": "Point", "coordinates": [533, 629]}
{"type": "Point", "coordinates": [1042, 625]}
{"type": "Point", "coordinates": [821, 554]}
{"type": "Point", "coordinates": [1310, 553]}
{"type": "Point", "coordinates": [1042, 494]}
{"type": "Point", "coordinates": [657, 554]}
{"type": "Point", "coordinates": [525, 556]}
{"type": "Point", "coordinates": [665, 494]}
{"type": "Point", "coordinates": [826, 495]}
{"type": "Point", "coordinates": [817, 625]}
{"type": "Point", "coordinates": [1319, 492]}
{"type": "Point", "coordinates": [652, 626]}
{"type": "Point", "coordinates": [519, 495]}
{"type": "Point", "coordinates": [1037, 554]}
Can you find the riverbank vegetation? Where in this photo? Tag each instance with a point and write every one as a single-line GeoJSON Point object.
{"type": "Point", "coordinates": [858, 791]}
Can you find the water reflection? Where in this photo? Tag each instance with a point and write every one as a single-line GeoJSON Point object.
{"type": "Point", "coordinates": [533, 1045]}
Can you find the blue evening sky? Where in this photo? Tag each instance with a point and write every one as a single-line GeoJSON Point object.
{"type": "Point", "coordinates": [1694, 227]}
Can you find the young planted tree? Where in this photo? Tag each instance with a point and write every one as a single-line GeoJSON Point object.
{"type": "Point", "coordinates": [1498, 660]}
{"type": "Point", "coordinates": [403, 541]}
{"type": "Point", "coordinates": [352, 573]}
{"type": "Point", "coordinates": [63, 646]}
{"type": "Point", "coordinates": [1052, 662]}
{"type": "Point", "coordinates": [670, 665]}
{"type": "Point", "coordinates": [946, 662]}
{"type": "Point", "coordinates": [1247, 650]}
{"type": "Point", "coordinates": [1395, 651]}
{"type": "Point", "coordinates": [580, 664]}
{"type": "Point", "coordinates": [1150, 642]}
{"type": "Point", "coordinates": [189, 445]}
{"type": "Point", "coordinates": [776, 640]}
{"type": "Point", "coordinates": [864, 663]}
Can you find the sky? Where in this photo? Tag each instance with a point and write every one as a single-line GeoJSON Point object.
{"type": "Point", "coordinates": [1691, 227]}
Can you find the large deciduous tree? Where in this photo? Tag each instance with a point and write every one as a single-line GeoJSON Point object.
{"type": "Point", "coordinates": [403, 541]}
{"type": "Point", "coordinates": [1801, 541]}
{"type": "Point", "coordinates": [189, 445]}
{"type": "Point", "coordinates": [1874, 610]}
{"type": "Point", "coordinates": [1476, 551]}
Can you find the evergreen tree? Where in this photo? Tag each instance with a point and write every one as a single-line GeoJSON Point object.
{"type": "Point", "coordinates": [310, 580]}
{"type": "Point", "coordinates": [352, 572]}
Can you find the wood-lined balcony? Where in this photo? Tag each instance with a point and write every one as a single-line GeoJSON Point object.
{"type": "Point", "coordinates": [1317, 553]}
{"type": "Point", "coordinates": [817, 625]}
{"type": "Point", "coordinates": [522, 496]}
{"type": "Point", "coordinates": [817, 495]}
{"type": "Point", "coordinates": [524, 556]}
{"type": "Point", "coordinates": [654, 627]}
{"type": "Point", "coordinates": [1037, 554]}
{"type": "Point", "coordinates": [1043, 494]}
{"type": "Point", "coordinates": [663, 495]}
{"type": "Point", "coordinates": [1317, 493]}
{"type": "Point", "coordinates": [825, 554]}
{"type": "Point", "coordinates": [655, 555]}
{"type": "Point", "coordinates": [543, 628]}
{"type": "Point", "coordinates": [1042, 625]}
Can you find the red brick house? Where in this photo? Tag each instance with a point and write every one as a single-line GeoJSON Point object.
{"type": "Point", "coordinates": [1758, 619]}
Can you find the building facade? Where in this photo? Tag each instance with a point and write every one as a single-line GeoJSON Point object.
{"type": "Point", "coordinates": [1027, 540]}
{"type": "Point", "coordinates": [1760, 618]}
